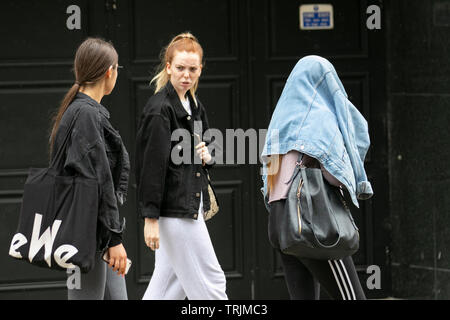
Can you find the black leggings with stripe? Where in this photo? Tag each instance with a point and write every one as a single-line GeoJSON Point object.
{"type": "Point", "coordinates": [337, 277]}
{"type": "Point", "coordinates": [303, 276]}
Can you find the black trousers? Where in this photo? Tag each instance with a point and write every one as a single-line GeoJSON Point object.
{"type": "Point", "coordinates": [337, 277]}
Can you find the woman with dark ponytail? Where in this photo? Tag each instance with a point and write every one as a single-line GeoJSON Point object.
{"type": "Point", "coordinates": [96, 150]}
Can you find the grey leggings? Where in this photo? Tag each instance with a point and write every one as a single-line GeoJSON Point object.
{"type": "Point", "coordinates": [101, 283]}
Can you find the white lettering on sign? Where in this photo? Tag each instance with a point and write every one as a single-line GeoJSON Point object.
{"type": "Point", "coordinates": [316, 17]}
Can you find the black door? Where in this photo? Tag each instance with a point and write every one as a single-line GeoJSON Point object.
{"type": "Point", "coordinates": [36, 57]}
{"type": "Point", "coordinates": [141, 29]}
{"type": "Point", "coordinates": [250, 47]}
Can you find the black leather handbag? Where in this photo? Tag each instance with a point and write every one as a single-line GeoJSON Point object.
{"type": "Point", "coordinates": [316, 222]}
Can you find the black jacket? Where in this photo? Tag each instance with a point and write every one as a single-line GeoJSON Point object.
{"type": "Point", "coordinates": [167, 188]}
{"type": "Point", "coordinates": [96, 150]}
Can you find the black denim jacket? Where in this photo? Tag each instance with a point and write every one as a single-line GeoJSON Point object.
{"type": "Point", "coordinates": [96, 150]}
{"type": "Point", "coordinates": [166, 188]}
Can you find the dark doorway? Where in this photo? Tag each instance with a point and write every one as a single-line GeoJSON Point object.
{"type": "Point", "coordinates": [250, 48]}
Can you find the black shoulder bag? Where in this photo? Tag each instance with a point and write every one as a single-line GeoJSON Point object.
{"type": "Point", "coordinates": [316, 222]}
{"type": "Point", "coordinates": [58, 218]}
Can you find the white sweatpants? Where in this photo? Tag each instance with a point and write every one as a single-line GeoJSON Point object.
{"type": "Point", "coordinates": [185, 263]}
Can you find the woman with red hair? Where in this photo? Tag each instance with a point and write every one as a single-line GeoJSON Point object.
{"type": "Point", "coordinates": [173, 196]}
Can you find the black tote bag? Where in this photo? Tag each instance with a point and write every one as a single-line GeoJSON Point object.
{"type": "Point", "coordinates": [316, 222]}
{"type": "Point", "coordinates": [58, 218]}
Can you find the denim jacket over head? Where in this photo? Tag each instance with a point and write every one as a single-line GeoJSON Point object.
{"type": "Point", "coordinates": [315, 117]}
{"type": "Point", "coordinates": [96, 150]}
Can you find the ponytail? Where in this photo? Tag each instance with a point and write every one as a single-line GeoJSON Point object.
{"type": "Point", "coordinates": [93, 58]}
{"type": "Point", "coordinates": [68, 98]}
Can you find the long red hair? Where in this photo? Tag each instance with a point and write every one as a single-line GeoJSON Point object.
{"type": "Point", "coordinates": [182, 42]}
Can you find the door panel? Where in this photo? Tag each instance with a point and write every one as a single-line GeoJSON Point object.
{"type": "Point", "coordinates": [34, 76]}
{"type": "Point", "coordinates": [140, 41]}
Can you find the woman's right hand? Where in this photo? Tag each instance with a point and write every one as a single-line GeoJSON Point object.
{"type": "Point", "coordinates": [151, 233]}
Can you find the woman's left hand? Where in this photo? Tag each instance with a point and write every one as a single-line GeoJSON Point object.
{"type": "Point", "coordinates": [203, 152]}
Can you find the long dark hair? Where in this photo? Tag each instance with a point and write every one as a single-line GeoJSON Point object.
{"type": "Point", "coordinates": [93, 58]}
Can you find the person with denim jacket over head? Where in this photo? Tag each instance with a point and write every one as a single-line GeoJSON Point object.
{"type": "Point", "coordinates": [314, 117]}
{"type": "Point", "coordinates": [96, 151]}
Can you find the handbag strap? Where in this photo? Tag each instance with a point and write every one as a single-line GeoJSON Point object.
{"type": "Point", "coordinates": [57, 158]}
{"type": "Point", "coordinates": [310, 211]}
{"type": "Point", "coordinates": [298, 165]}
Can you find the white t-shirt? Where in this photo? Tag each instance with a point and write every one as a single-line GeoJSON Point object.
{"type": "Point", "coordinates": [187, 106]}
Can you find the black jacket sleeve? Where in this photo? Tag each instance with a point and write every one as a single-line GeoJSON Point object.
{"type": "Point", "coordinates": [153, 156]}
{"type": "Point", "coordinates": [87, 155]}
{"type": "Point", "coordinates": [108, 209]}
